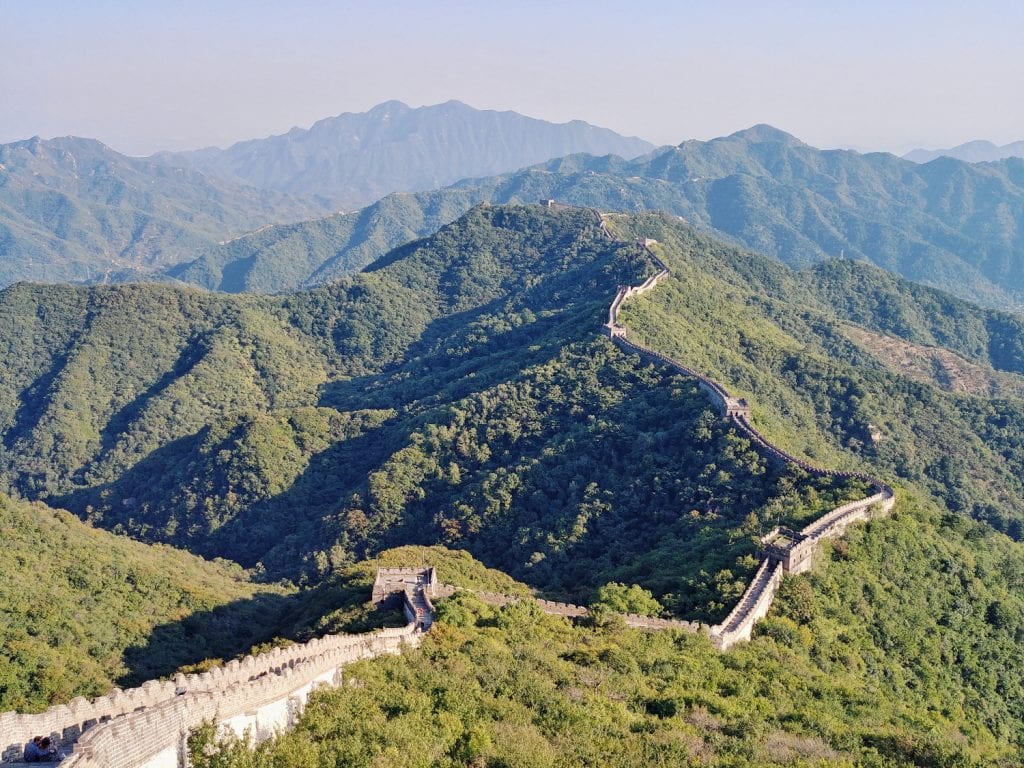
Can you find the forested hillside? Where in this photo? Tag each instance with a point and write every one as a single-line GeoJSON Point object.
{"type": "Point", "coordinates": [74, 209]}
{"type": "Point", "coordinates": [947, 224]}
{"type": "Point", "coordinates": [78, 606]}
{"type": "Point", "coordinates": [457, 392]}
{"type": "Point", "coordinates": [782, 338]}
{"type": "Point", "coordinates": [901, 649]}
{"type": "Point", "coordinates": [315, 252]}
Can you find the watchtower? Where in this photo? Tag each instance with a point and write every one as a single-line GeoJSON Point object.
{"type": "Point", "coordinates": [391, 583]}
{"type": "Point", "coordinates": [737, 406]}
{"type": "Point", "coordinates": [789, 547]}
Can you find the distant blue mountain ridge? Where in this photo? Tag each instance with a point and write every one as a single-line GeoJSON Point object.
{"type": "Point", "coordinates": [356, 158]}
{"type": "Point", "coordinates": [971, 152]}
{"type": "Point", "coordinates": [74, 209]}
{"type": "Point", "coordinates": [947, 223]}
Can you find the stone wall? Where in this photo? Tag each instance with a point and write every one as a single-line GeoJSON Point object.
{"type": "Point", "coordinates": [752, 607]}
{"type": "Point", "coordinates": [758, 597]}
{"type": "Point", "coordinates": [261, 707]}
{"type": "Point", "coordinates": [146, 727]}
{"type": "Point", "coordinates": [128, 728]}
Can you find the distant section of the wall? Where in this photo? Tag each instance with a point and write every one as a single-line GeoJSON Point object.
{"type": "Point", "coordinates": [785, 551]}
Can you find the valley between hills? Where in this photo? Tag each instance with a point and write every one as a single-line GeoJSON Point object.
{"type": "Point", "coordinates": [504, 385]}
{"type": "Point", "coordinates": [455, 395]}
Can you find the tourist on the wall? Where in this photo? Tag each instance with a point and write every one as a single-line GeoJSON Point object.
{"type": "Point", "coordinates": [33, 753]}
{"type": "Point", "coordinates": [49, 751]}
{"type": "Point", "coordinates": [40, 750]}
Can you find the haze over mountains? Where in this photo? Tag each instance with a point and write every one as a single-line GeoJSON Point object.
{"type": "Point", "coordinates": [948, 224]}
{"type": "Point", "coordinates": [970, 152]}
{"type": "Point", "coordinates": [74, 209]}
{"type": "Point", "coordinates": [356, 158]}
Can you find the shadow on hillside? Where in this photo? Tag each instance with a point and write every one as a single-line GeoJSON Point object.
{"type": "Point", "coordinates": [453, 358]}
{"type": "Point", "coordinates": [232, 630]}
{"type": "Point", "coordinates": [447, 375]}
{"type": "Point", "coordinates": [166, 491]}
{"type": "Point", "coordinates": [33, 400]}
{"type": "Point", "coordinates": [223, 632]}
{"type": "Point", "coordinates": [234, 275]}
{"type": "Point", "coordinates": [122, 419]}
{"type": "Point", "coordinates": [283, 530]}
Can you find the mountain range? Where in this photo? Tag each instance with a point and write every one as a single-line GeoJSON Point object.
{"type": "Point", "coordinates": [970, 152]}
{"type": "Point", "coordinates": [949, 224]}
{"type": "Point", "coordinates": [73, 209]}
{"type": "Point", "coordinates": [222, 417]}
{"type": "Point", "coordinates": [457, 390]}
{"type": "Point", "coordinates": [254, 400]}
{"type": "Point", "coordinates": [356, 158]}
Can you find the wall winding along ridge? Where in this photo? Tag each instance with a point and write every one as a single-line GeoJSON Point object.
{"type": "Point", "coordinates": [147, 727]}
{"type": "Point", "coordinates": [786, 551]}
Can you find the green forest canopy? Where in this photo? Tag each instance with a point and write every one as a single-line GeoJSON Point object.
{"type": "Point", "coordinates": [457, 392]}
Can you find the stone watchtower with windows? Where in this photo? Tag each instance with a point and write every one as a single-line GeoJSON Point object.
{"type": "Point", "coordinates": [738, 407]}
{"type": "Point", "coordinates": [392, 583]}
{"type": "Point", "coordinates": [789, 547]}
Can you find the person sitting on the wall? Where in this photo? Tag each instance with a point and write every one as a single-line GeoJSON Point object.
{"type": "Point", "coordinates": [40, 750]}
{"type": "Point", "coordinates": [33, 752]}
{"type": "Point", "coordinates": [49, 751]}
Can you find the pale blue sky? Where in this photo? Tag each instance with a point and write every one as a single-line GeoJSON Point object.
{"type": "Point", "coordinates": [143, 76]}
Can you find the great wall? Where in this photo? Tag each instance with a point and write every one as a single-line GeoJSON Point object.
{"type": "Point", "coordinates": [148, 727]}
{"type": "Point", "coordinates": [785, 551]}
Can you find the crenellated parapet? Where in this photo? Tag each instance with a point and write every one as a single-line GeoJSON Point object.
{"type": "Point", "coordinates": [789, 552]}
{"type": "Point", "coordinates": [145, 727]}
{"type": "Point", "coordinates": [753, 606]}
{"type": "Point", "coordinates": [156, 736]}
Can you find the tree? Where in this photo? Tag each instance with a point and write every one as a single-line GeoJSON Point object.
{"type": "Point", "coordinates": [628, 599]}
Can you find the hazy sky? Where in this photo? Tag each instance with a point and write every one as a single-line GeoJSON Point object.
{"type": "Point", "coordinates": [150, 75]}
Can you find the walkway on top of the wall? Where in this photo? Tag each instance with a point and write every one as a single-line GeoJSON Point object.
{"type": "Point", "coordinates": [785, 551]}
{"type": "Point", "coordinates": [146, 727]}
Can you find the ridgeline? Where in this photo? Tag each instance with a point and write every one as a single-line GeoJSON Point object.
{"type": "Point", "coordinates": [455, 392]}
